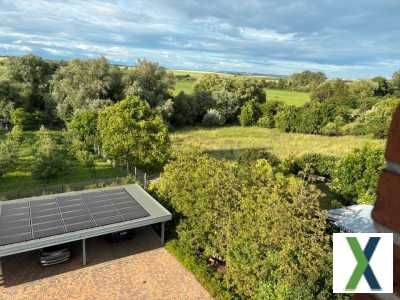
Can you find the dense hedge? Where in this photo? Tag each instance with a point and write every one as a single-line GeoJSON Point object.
{"type": "Point", "coordinates": [267, 229]}
{"type": "Point", "coordinates": [355, 176]}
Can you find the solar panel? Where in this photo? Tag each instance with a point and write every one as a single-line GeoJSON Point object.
{"type": "Point", "coordinates": [34, 219]}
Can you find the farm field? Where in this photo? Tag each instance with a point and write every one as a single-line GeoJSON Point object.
{"type": "Point", "coordinates": [227, 142]}
{"type": "Point", "coordinates": [21, 179]}
{"type": "Point", "coordinates": [289, 97]}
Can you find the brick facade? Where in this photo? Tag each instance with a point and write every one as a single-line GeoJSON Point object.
{"type": "Point", "coordinates": [387, 207]}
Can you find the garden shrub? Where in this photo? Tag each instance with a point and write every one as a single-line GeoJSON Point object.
{"type": "Point", "coordinates": [287, 119]}
{"type": "Point", "coordinates": [355, 176]}
{"type": "Point", "coordinates": [251, 155]}
{"type": "Point", "coordinates": [333, 128]}
{"type": "Point", "coordinates": [313, 164]}
{"type": "Point", "coordinates": [213, 118]}
{"type": "Point", "coordinates": [227, 104]}
{"type": "Point", "coordinates": [8, 155]}
{"type": "Point", "coordinates": [50, 158]}
{"type": "Point", "coordinates": [376, 121]}
{"type": "Point", "coordinates": [269, 111]}
{"type": "Point", "coordinates": [185, 110]}
{"type": "Point", "coordinates": [249, 114]}
{"type": "Point", "coordinates": [266, 228]}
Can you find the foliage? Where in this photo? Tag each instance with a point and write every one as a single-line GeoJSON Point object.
{"type": "Point", "coordinates": [8, 155]}
{"type": "Point", "coordinates": [133, 133]}
{"type": "Point", "coordinates": [396, 82]}
{"type": "Point", "coordinates": [50, 157]}
{"type": "Point", "coordinates": [185, 110]}
{"type": "Point", "coordinates": [330, 89]}
{"type": "Point", "coordinates": [166, 110]}
{"type": "Point", "coordinates": [268, 113]}
{"type": "Point", "coordinates": [6, 109]}
{"type": "Point", "coordinates": [16, 134]}
{"type": "Point", "coordinates": [355, 176]}
{"type": "Point", "coordinates": [363, 88]}
{"type": "Point", "coordinates": [249, 114]}
{"type": "Point", "coordinates": [249, 156]}
{"type": "Point", "coordinates": [333, 128]}
{"type": "Point", "coordinates": [227, 104]}
{"type": "Point", "coordinates": [262, 225]}
{"type": "Point", "coordinates": [384, 88]}
{"type": "Point", "coordinates": [25, 84]}
{"type": "Point", "coordinates": [149, 81]}
{"type": "Point", "coordinates": [213, 118]}
{"type": "Point", "coordinates": [81, 82]}
{"type": "Point", "coordinates": [376, 121]}
{"type": "Point", "coordinates": [287, 119]}
{"type": "Point", "coordinates": [306, 80]}
{"type": "Point", "coordinates": [83, 131]}
{"type": "Point", "coordinates": [204, 274]}
{"type": "Point", "coordinates": [311, 164]}
{"type": "Point", "coordinates": [243, 89]}
{"type": "Point", "coordinates": [26, 120]}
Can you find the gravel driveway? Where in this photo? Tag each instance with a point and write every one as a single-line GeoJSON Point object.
{"type": "Point", "coordinates": [134, 269]}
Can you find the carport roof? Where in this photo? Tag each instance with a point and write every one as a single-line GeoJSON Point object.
{"type": "Point", "coordinates": [33, 223]}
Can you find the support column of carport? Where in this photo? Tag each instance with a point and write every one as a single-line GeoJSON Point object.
{"type": "Point", "coordinates": [84, 252]}
{"type": "Point", "coordinates": [162, 233]}
{"type": "Point", "coordinates": [1, 274]}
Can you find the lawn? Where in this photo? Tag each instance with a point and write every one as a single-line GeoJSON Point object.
{"type": "Point", "coordinates": [288, 97]}
{"type": "Point", "coordinates": [21, 179]}
{"type": "Point", "coordinates": [227, 142]}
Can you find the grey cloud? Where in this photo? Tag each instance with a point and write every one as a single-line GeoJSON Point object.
{"type": "Point", "coordinates": [343, 38]}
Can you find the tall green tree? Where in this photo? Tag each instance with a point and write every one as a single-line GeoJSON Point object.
{"type": "Point", "coordinates": [150, 82]}
{"type": "Point", "coordinates": [25, 84]}
{"type": "Point", "coordinates": [83, 130]}
{"type": "Point", "coordinates": [80, 83]}
{"type": "Point", "coordinates": [133, 133]}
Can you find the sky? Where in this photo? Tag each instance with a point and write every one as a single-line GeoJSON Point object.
{"type": "Point", "coordinates": [343, 38]}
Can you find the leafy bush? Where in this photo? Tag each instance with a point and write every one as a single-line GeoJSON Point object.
{"type": "Point", "coordinates": [185, 110]}
{"type": "Point", "coordinates": [376, 121]}
{"type": "Point", "coordinates": [8, 156]}
{"type": "Point", "coordinates": [249, 114]}
{"type": "Point", "coordinates": [23, 119]}
{"type": "Point", "coordinates": [312, 164]}
{"type": "Point", "coordinates": [227, 104]}
{"type": "Point", "coordinates": [266, 228]}
{"type": "Point", "coordinates": [50, 159]}
{"type": "Point", "coordinates": [355, 176]}
{"type": "Point", "coordinates": [287, 119]}
{"type": "Point", "coordinates": [213, 118]}
{"type": "Point", "coordinates": [16, 134]}
{"type": "Point", "coordinates": [250, 155]}
{"type": "Point", "coordinates": [83, 130]}
{"type": "Point", "coordinates": [333, 128]}
{"type": "Point", "coordinates": [269, 111]}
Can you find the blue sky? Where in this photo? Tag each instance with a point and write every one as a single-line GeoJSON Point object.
{"type": "Point", "coordinates": [352, 38]}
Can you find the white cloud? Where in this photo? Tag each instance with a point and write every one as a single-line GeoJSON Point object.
{"type": "Point", "coordinates": [266, 35]}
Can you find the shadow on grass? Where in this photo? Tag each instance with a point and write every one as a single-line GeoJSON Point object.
{"type": "Point", "coordinates": [232, 153]}
{"type": "Point", "coordinates": [25, 267]}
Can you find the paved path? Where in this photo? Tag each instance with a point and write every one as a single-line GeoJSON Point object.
{"type": "Point", "coordinates": [134, 269]}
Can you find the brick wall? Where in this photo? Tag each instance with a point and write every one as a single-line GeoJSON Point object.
{"type": "Point", "coordinates": [386, 211]}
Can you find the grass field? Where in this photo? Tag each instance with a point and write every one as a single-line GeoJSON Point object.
{"type": "Point", "coordinates": [288, 97]}
{"type": "Point", "coordinates": [228, 142]}
{"type": "Point", "coordinates": [21, 178]}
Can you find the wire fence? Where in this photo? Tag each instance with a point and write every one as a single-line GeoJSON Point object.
{"type": "Point", "coordinates": [136, 176]}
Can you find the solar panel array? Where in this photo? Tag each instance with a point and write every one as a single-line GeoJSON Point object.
{"type": "Point", "coordinates": [34, 219]}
